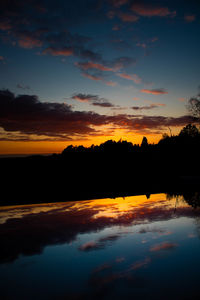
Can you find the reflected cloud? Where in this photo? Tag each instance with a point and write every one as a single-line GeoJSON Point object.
{"type": "Point", "coordinates": [28, 229]}
{"type": "Point", "coordinates": [91, 245]}
{"type": "Point", "coordinates": [141, 263]}
{"type": "Point", "coordinates": [100, 243]}
{"type": "Point", "coordinates": [163, 246]}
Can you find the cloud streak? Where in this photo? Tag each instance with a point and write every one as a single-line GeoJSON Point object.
{"type": "Point", "coordinates": [134, 77]}
{"type": "Point", "coordinates": [148, 107]}
{"type": "Point", "coordinates": [92, 99]}
{"type": "Point", "coordinates": [154, 91]}
{"type": "Point", "coordinates": [151, 10]}
{"type": "Point", "coordinates": [163, 246]}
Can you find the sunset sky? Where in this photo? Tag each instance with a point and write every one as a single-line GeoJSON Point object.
{"type": "Point", "coordinates": [82, 72]}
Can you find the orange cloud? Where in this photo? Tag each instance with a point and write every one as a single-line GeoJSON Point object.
{"type": "Point", "coordinates": [58, 52]}
{"type": "Point", "coordinates": [133, 77]}
{"type": "Point", "coordinates": [92, 65]}
{"type": "Point", "coordinates": [125, 17]}
{"type": "Point", "coordinates": [4, 25]}
{"type": "Point", "coordinates": [29, 42]}
{"type": "Point", "coordinates": [181, 99]}
{"type": "Point", "coordinates": [150, 10]}
{"type": "Point", "coordinates": [143, 45]}
{"type": "Point", "coordinates": [92, 77]}
{"type": "Point", "coordinates": [89, 246]}
{"type": "Point", "coordinates": [154, 91]}
{"type": "Point", "coordinates": [111, 83]}
{"type": "Point", "coordinates": [190, 18]}
{"type": "Point", "coordinates": [118, 3]}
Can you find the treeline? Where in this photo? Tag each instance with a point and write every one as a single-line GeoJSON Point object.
{"type": "Point", "coordinates": [188, 137]}
{"type": "Point", "coordinates": [108, 170]}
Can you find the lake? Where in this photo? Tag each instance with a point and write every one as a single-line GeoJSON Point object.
{"type": "Point", "coordinates": [139, 247]}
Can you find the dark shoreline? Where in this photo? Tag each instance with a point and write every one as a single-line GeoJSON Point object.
{"type": "Point", "coordinates": [184, 184]}
{"type": "Point", "coordinates": [113, 169]}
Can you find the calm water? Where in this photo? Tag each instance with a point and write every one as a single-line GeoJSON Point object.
{"type": "Point", "coordinates": [132, 248]}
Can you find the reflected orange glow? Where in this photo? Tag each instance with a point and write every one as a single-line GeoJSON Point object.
{"type": "Point", "coordinates": [115, 208]}
{"type": "Point", "coordinates": [128, 208]}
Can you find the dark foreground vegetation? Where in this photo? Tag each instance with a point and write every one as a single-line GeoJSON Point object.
{"type": "Point", "coordinates": [109, 170]}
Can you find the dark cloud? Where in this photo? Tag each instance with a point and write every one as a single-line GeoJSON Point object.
{"type": "Point", "coordinates": [28, 115]}
{"type": "Point", "coordinates": [148, 107]}
{"type": "Point", "coordinates": [100, 243]}
{"type": "Point", "coordinates": [92, 99]}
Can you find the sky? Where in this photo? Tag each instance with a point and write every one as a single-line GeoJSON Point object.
{"type": "Point", "coordinates": [82, 72]}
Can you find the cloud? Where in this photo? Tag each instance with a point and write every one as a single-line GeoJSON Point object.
{"type": "Point", "coordinates": [147, 229]}
{"type": "Point", "coordinates": [102, 267]}
{"type": "Point", "coordinates": [153, 40]}
{"type": "Point", "coordinates": [148, 107]}
{"type": "Point", "coordinates": [133, 77]}
{"type": "Point", "coordinates": [109, 66]}
{"type": "Point", "coordinates": [92, 65]}
{"type": "Point", "coordinates": [123, 62]}
{"type": "Point", "coordinates": [58, 52]}
{"type": "Point", "coordinates": [23, 87]}
{"type": "Point", "coordinates": [190, 18]}
{"type": "Point", "coordinates": [85, 97]}
{"type": "Point", "coordinates": [109, 238]}
{"type": "Point", "coordinates": [111, 83]}
{"type": "Point", "coordinates": [92, 99]}
{"type": "Point", "coordinates": [4, 25]}
{"type": "Point", "coordinates": [154, 91]}
{"type": "Point", "coordinates": [151, 10]}
{"type": "Point", "coordinates": [163, 246]}
{"type": "Point", "coordinates": [29, 42]}
{"type": "Point", "coordinates": [92, 77]}
{"type": "Point", "coordinates": [91, 245]}
{"type": "Point", "coordinates": [142, 45]}
{"type": "Point", "coordinates": [26, 114]}
{"type": "Point", "coordinates": [100, 243]}
{"type": "Point", "coordinates": [120, 259]}
{"type": "Point", "coordinates": [49, 33]}
{"type": "Point", "coordinates": [69, 221]}
{"type": "Point", "coordinates": [181, 99]}
{"type": "Point", "coordinates": [141, 263]}
{"type": "Point", "coordinates": [118, 3]}
{"type": "Point", "coordinates": [127, 17]}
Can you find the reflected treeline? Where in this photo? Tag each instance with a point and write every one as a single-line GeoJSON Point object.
{"type": "Point", "coordinates": [192, 198]}
{"type": "Point", "coordinates": [111, 169]}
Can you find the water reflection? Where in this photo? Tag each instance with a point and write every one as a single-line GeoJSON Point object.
{"type": "Point", "coordinates": [107, 248]}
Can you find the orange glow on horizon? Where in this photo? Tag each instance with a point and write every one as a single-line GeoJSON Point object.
{"type": "Point", "coordinates": [49, 147]}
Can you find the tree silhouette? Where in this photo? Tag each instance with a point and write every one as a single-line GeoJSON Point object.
{"type": "Point", "coordinates": [189, 131]}
{"type": "Point", "coordinates": [194, 107]}
{"type": "Point", "coordinates": [144, 142]}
